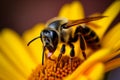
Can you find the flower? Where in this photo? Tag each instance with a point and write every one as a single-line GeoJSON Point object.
{"type": "Point", "coordinates": [18, 60]}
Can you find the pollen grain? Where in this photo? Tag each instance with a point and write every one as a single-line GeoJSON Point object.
{"type": "Point", "coordinates": [53, 70]}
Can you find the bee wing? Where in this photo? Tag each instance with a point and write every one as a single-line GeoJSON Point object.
{"type": "Point", "coordinates": [93, 25]}
{"type": "Point", "coordinates": [80, 21]}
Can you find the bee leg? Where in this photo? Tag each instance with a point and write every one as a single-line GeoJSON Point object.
{"type": "Point", "coordinates": [72, 54]}
{"type": "Point", "coordinates": [43, 55]}
{"type": "Point", "coordinates": [77, 35]}
{"type": "Point", "coordinates": [83, 46]}
{"type": "Point", "coordinates": [51, 59]}
{"type": "Point", "coordinates": [62, 51]}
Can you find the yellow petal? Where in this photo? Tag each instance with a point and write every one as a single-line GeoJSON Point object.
{"type": "Point", "coordinates": [4, 77]}
{"type": "Point", "coordinates": [36, 46]}
{"type": "Point", "coordinates": [72, 11]}
{"type": "Point", "coordinates": [96, 72]}
{"type": "Point", "coordinates": [19, 50]}
{"type": "Point", "coordinates": [9, 56]}
{"type": "Point", "coordinates": [7, 69]}
{"type": "Point", "coordinates": [112, 38]}
{"type": "Point", "coordinates": [111, 55]}
{"type": "Point", "coordinates": [96, 57]}
{"type": "Point", "coordinates": [110, 65]}
{"type": "Point", "coordinates": [64, 11]}
{"type": "Point", "coordinates": [76, 11]}
{"type": "Point", "coordinates": [111, 13]}
{"type": "Point", "coordinates": [81, 77]}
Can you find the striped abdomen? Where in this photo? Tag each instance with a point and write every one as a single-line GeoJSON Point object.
{"type": "Point", "coordinates": [90, 36]}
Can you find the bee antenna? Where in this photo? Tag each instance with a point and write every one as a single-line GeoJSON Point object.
{"type": "Point", "coordinates": [32, 40]}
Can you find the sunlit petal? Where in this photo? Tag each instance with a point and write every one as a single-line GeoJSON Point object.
{"type": "Point", "coordinates": [112, 37]}
{"type": "Point", "coordinates": [112, 64]}
{"type": "Point", "coordinates": [76, 11]}
{"type": "Point", "coordinates": [93, 73]}
{"type": "Point", "coordinates": [19, 50]}
{"type": "Point", "coordinates": [111, 55]}
{"type": "Point", "coordinates": [72, 11]}
{"type": "Point", "coordinates": [7, 69]}
{"type": "Point", "coordinates": [81, 77]}
{"type": "Point", "coordinates": [96, 72]}
{"type": "Point", "coordinates": [11, 58]}
{"type": "Point", "coordinates": [64, 11]}
{"type": "Point", "coordinates": [111, 13]}
{"type": "Point", "coordinates": [4, 77]}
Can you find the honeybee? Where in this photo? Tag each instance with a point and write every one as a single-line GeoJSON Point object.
{"type": "Point", "coordinates": [59, 30]}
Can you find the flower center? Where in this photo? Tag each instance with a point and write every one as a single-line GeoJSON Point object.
{"type": "Point", "coordinates": [53, 70]}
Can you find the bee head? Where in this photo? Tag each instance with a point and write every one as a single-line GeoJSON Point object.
{"type": "Point", "coordinates": [49, 39]}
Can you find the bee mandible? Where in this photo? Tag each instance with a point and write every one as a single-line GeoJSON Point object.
{"type": "Point", "coordinates": [59, 30]}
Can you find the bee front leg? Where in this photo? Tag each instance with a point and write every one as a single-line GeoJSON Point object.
{"type": "Point", "coordinates": [72, 53]}
{"type": "Point", "coordinates": [43, 55]}
{"type": "Point", "coordinates": [62, 51]}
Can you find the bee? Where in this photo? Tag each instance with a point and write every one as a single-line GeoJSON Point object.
{"type": "Point", "coordinates": [58, 30]}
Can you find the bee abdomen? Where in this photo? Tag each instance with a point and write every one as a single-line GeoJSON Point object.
{"type": "Point", "coordinates": [90, 36]}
